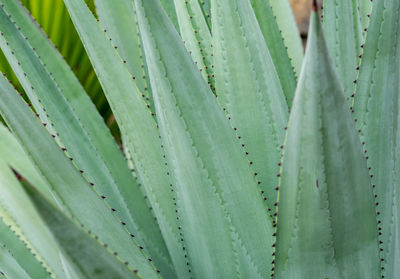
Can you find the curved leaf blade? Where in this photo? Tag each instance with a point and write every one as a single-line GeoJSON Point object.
{"type": "Point", "coordinates": [344, 38]}
{"type": "Point", "coordinates": [21, 253]}
{"type": "Point", "coordinates": [196, 34]}
{"type": "Point", "coordinates": [376, 110]}
{"type": "Point", "coordinates": [118, 18]}
{"type": "Point", "coordinates": [18, 213]}
{"type": "Point", "coordinates": [249, 90]}
{"type": "Point", "coordinates": [90, 259]}
{"type": "Point", "coordinates": [9, 267]}
{"type": "Point", "coordinates": [217, 197]}
{"type": "Point", "coordinates": [73, 193]}
{"type": "Point", "coordinates": [78, 126]}
{"type": "Point", "coordinates": [287, 24]}
{"type": "Point", "coordinates": [276, 46]}
{"type": "Point", "coordinates": [138, 128]}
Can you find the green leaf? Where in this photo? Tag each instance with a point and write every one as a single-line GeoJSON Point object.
{"type": "Point", "coordinates": [276, 46]}
{"type": "Point", "coordinates": [365, 7]}
{"type": "Point", "coordinates": [344, 37]}
{"type": "Point", "coordinates": [14, 155]}
{"type": "Point", "coordinates": [72, 191]}
{"type": "Point", "coordinates": [21, 253]}
{"type": "Point", "coordinates": [196, 34]}
{"type": "Point", "coordinates": [90, 259]}
{"type": "Point", "coordinates": [17, 212]}
{"type": "Point", "coordinates": [118, 18]}
{"type": "Point", "coordinates": [6, 69]}
{"type": "Point", "coordinates": [249, 90]}
{"type": "Point", "coordinates": [9, 267]}
{"type": "Point", "coordinates": [169, 8]}
{"type": "Point", "coordinates": [216, 193]}
{"type": "Point", "coordinates": [376, 110]}
{"type": "Point", "coordinates": [290, 33]}
{"type": "Point", "coordinates": [206, 8]}
{"type": "Point", "coordinates": [53, 19]}
{"type": "Point", "coordinates": [327, 226]}
{"type": "Point", "coordinates": [138, 128]}
{"type": "Point", "coordinates": [77, 125]}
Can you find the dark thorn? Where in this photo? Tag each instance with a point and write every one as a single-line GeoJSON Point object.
{"type": "Point", "coordinates": [314, 6]}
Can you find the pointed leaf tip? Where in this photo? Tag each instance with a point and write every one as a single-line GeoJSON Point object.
{"type": "Point", "coordinates": [325, 196]}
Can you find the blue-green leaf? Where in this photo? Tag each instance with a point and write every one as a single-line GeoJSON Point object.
{"type": "Point", "coordinates": [118, 19]}
{"type": "Point", "coordinates": [365, 7]}
{"type": "Point", "coordinates": [76, 124]}
{"type": "Point", "coordinates": [21, 253]}
{"type": "Point", "coordinates": [90, 257]}
{"type": "Point", "coordinates": [18, 213]}
{"type": "Point", "coordinates": [327, 226]}
{"type": "Point", "coordinates": [376, 110]}
{"type": "Point", "coordinates": [276, 46]}
{"type": "Point", "coordinates": [72, 191]}
{"type": "Point", "coordinates": [138, 128]}
{"type": "Point", "coordinates": [9, 266]}
{"type": "Point", "coordinates": [287, 24]}
{"type": "Point", "coordinates": [216, 192]}
{"type": "Point", "coordinates": [344, 37]}
{"type": "Point", "coordinates": [196, 34]}
{"type": "Point", "coordinates": [249, 90]}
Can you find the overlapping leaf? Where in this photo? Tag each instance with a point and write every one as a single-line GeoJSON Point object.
{"type": "Point", "coordinates": [21, 254]}
{"type": "Point", "coordinates": [118, 18]}
{"type": "Point", "coordinates": [196, 33]}
{"type": "Point", "coordinates": [216, 192]}
{"type": "Point", "coordinates": [342, 26]}
{"type": "Point", "coordinates": [249, 90]}
{"type": "Point", "coordinates": [287, 25]}
{"type": "Point", "coordinates": [376, 110]}
{"type": "Point", "coordinates": [74, 122]}
{"type": "Point", "coordinates": [137, 126]}
{"type": "Point", "coordinates": [276, 46]}
{"type": "Point", "coordinates": [78, 243]}
{"type": "Point", "coordinates": [72, 191]}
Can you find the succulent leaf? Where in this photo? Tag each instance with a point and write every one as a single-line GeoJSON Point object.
{"type": "Point", "coordinates": [214, 185]}
{"type": "Point", "coordinates": [206, 7]}
{"type": "Point", "coordinates": [76, 125]}
{"type": "Point", "coordinates": [276, 46]}
{"type": "Point", "coordinates": [118, 19]}
{"type": "Point", "coordinates": [21, 253]}
{"type": "Point", "coordinates": [169, 8]}
{"type": "Point", "coordinates": [327, 226]}
{"type": "Point", "coordinates": [287, 25]}
{"type": "Point", "coordinates": [13, 154]}
{"type": "Point", "coordinates": [72, 191]}
{"type": "Point", "coordinates": [9, 266]}
{"type": "Point", "coordinates": [376, 110]}
{"type": "Point", "coordinates": [196, 34]}
{"type": "Point", "coordinates": [19, 215]}
{"type": "Point", "coordinates": [211, 185]}
{"type": "Point", "coordinates": [249, 90]}
{"type": "Point", "coordinates": [365, 7]}
{"type": "Point", "coordinates": [344, 38]}
{"type": "Point", "coordinates": [78, 243]}
{"type": "Point", "coordinates": [137, 126]}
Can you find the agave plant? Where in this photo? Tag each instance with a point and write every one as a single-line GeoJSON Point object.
{"type": "Point", "coordinates": [240, 158]}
